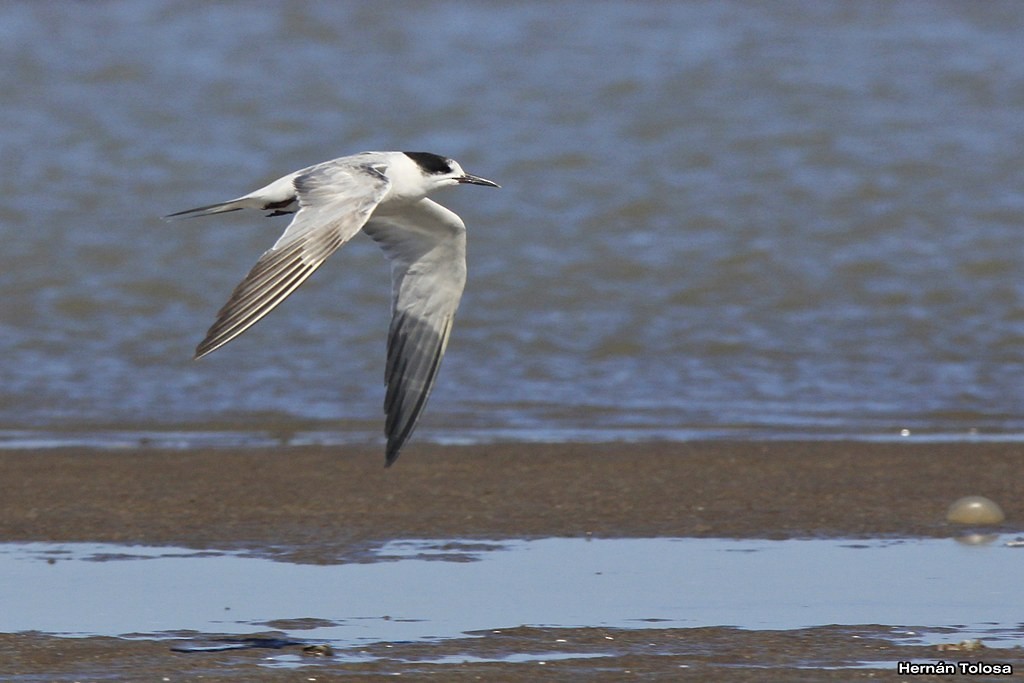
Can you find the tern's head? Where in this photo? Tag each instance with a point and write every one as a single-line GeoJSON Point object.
{"type": "Point", "coordinates": [437, 171]}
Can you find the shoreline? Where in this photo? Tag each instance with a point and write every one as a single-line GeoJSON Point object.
{"type": "Point", "coordinates": [330, 505]}
{"type": "Point", "coordinates": [330, 500]}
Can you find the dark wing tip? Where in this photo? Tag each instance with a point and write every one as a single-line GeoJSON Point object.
{"type": "Point", "coordinates": [415, 350]}
{"type": "Point", "coordinates": [202, 349]}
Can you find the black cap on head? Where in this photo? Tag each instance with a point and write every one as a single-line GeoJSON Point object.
{"type": "Point", "coordinates": [433, 164]}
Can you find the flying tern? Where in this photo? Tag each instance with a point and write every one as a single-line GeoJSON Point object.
{"type": "Point", "coordinates": [384, 194]}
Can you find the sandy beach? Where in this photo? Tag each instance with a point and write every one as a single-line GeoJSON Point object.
{"type": "Point", "coordinates": [326, 501]}
{"type": "Point", "coordinates": [328, 505]}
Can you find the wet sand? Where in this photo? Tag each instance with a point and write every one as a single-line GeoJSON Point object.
{"type": "Point", "coordinates": [332, 504]}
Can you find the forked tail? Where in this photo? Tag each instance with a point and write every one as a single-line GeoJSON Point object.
{"type": "Point", "coordinates": [223, 207]}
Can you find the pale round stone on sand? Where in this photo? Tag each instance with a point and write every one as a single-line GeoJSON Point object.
{"type": "Point", "coordinates": [975, 510]}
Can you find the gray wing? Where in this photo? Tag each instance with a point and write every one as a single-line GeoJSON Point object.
{"type": "Point", "coordinates": [335, 200]}
{"type": "Point", "coordinates": [426, 244]}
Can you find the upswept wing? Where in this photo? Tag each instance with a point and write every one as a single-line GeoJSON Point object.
{"type": "Point", "coordinates": [426, 244]}
{"type": "Point", "coordinates": [335, 201]}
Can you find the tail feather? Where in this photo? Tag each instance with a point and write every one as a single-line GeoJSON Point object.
{"type": "Point", "coordinates": [279, 197]}
{"type": "Point", "coordinates": [223, 207]}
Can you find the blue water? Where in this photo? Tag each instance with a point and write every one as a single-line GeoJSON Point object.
{"type": "Point", "coordinates": [923, 590]}
{"type": "Point", "coordinates": [717, 219]}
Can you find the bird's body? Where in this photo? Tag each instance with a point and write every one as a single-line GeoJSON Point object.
{"type": "Point", "coordinates": [384, 194]}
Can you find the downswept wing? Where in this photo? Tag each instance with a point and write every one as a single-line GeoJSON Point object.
{"type": "Point", "coordinates": [335, 201]}
{"type": "Point", "coordinates": [426, 244]}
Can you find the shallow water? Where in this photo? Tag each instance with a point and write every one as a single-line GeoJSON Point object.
{"type": "Point", "coordinates": [921, 591]}
{"type": "Point", "coordinates": [717, 219]}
